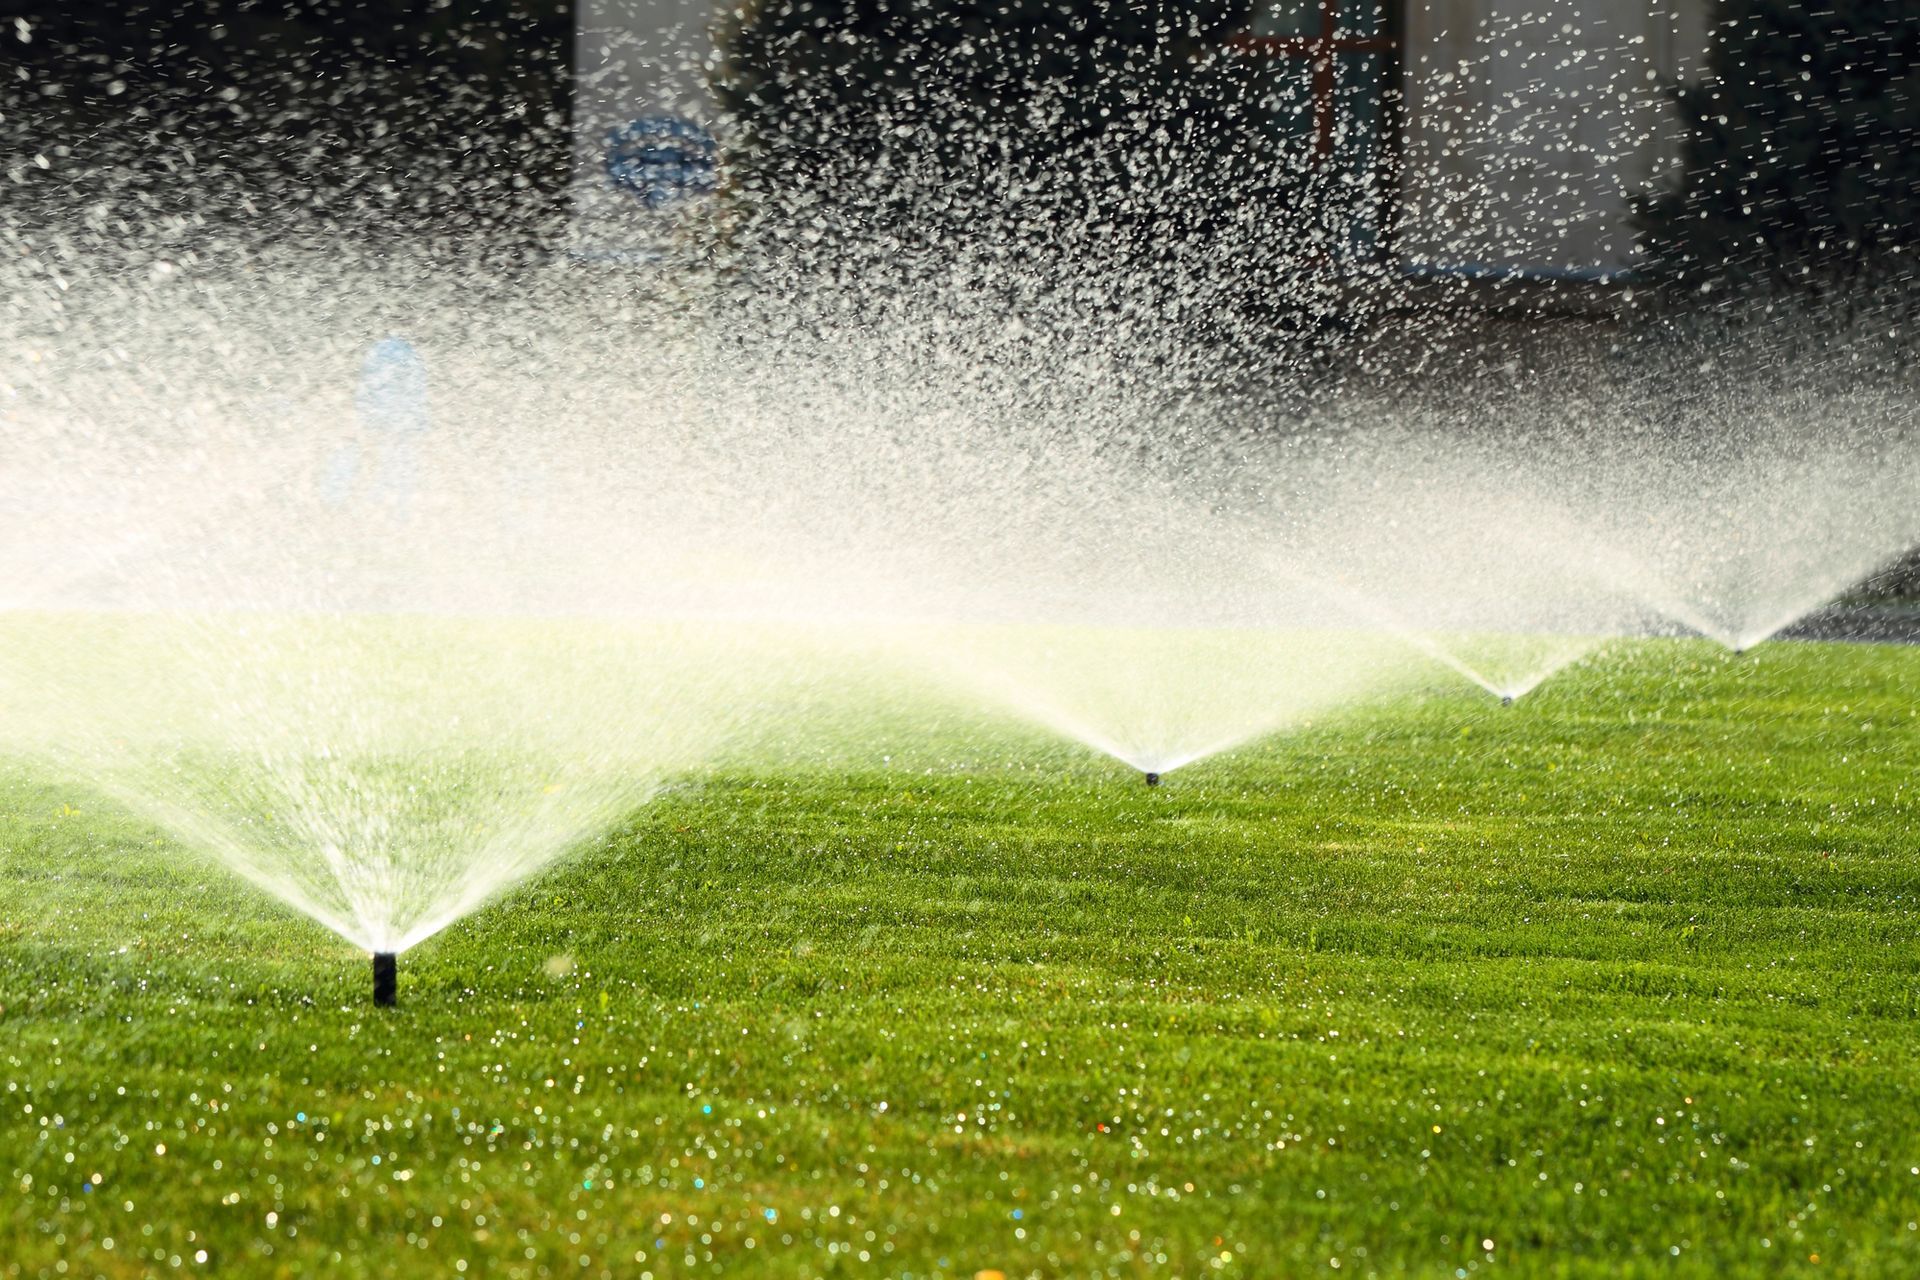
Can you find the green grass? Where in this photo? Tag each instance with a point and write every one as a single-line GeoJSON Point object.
{"type": "Point", "coordinates": [1622, 979]}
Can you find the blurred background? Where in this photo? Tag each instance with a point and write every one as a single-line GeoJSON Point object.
{"type": "Point", "coordinates": [1453, 193]}
{"type": "Point", "coordinates": [1479, 140]}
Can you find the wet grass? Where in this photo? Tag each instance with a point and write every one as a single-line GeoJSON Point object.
{"type": "Point", "coordinates": [1622, 980]}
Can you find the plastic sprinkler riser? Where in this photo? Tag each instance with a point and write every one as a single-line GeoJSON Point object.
{"type": "Point", "coordinates": [1153, 779]}
{"type": "Point", "coordinates": [386, 980]}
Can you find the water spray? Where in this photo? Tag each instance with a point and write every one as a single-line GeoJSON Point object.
{"type": "Point", "coordinates": [1153, 779]}
{"type": "Point", "coordinates": [386, 979]}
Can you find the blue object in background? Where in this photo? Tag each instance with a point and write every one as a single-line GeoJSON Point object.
{"type": "Point", "coordinates": [393, 389]}
{"type": "Point", "coordinates": [662, 159]}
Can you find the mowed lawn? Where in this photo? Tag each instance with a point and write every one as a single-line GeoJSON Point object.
{"type": "Point", "coordinates": [1622, 980]}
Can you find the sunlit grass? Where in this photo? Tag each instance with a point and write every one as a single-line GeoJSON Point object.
{"type": "Point", "coordinates": [1619, 980]}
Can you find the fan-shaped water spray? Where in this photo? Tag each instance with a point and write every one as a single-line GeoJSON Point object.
{"type": "Point", "coordinates": [387, 626]}
{"type": "Point", "coordinates": [367, 699]}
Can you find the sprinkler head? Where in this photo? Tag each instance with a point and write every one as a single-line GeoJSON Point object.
{"type": "Point", "coordinates": [1506, 699]}
{"type": "Point", "coordinates": [1153, 779]}
{"type": "Point", "coordinates": [386, 980]}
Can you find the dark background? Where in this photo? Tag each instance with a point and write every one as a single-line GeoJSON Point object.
{"type": "Point", "coordinates": [425, 115]}
{"type": "Point", "coordinates": [438, 115]}
{"type": "Point", "coordinates": [434, 118]}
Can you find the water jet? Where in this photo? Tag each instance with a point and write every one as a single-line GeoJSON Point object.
{"type": "Point", "coordinates": [386, 979]}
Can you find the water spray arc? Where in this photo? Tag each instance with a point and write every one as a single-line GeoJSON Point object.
{"type": "Point", "coordinates": [379, 690]}
{"type": "Point", "coordinates": [1370, 612]}
{"type": "Point", "coordinates": [430, 636]}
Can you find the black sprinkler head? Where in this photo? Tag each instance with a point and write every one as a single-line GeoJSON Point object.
{"type": "Point", "coordinates": [386, 980]}
{"type": "Point", "coordinates": [1153, 779]}
{"type": "Point", "coordinates": [1506, 699]}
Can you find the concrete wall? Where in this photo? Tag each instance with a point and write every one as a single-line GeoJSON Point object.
{"type": "Point", "coordinates": [1531, 123]}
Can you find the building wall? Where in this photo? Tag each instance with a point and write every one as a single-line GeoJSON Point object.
{"type": "Point", "coordinates": [1530, 124]}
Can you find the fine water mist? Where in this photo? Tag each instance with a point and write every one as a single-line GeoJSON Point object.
{"type": "Point", "coordinates": [382, 774]}
{"type": "Point", "coordinates": [386, 603]}
{"type": "Point", "coordinates": [385, 569]}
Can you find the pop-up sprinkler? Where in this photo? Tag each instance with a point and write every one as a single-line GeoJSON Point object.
{"type": "Point", "coordinates": [386, 980]}
{"type": "Point", "coordinates": [1506, 699]}
{"type": "Point", "coordinates": [1153, 779]}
